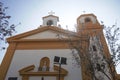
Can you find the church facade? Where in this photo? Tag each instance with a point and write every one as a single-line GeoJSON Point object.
{"type": "Point", "coordinates": [41, 54]}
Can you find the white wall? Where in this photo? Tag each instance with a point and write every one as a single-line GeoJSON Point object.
{"type": "Point", "coordinates": [24, 58]}
{"type": "Point", "coordinates": [49, 34]}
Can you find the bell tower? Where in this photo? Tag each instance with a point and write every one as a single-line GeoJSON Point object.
{"type": "Point", "coordinates": [88, 26]}
{"type": "Point", "coordinates": [50, 20]}
{"type": "Point", "coordinates": [87, 22]}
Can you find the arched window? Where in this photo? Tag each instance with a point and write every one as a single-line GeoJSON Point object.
{"type": "Point", "coordinates": [44, 64]}
{"type": "Point", "coordinates": [49, 22]}
{"type": "Point", "coordinates": [87, 20]}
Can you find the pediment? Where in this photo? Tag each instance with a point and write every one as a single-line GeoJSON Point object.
{"type": "Point", "coordinates": [47, 32]}
{"type": "Point", "coordinates": [29, 71]}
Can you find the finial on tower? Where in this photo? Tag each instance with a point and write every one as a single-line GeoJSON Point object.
{"type": "Point", "coordinates": [51, 13]}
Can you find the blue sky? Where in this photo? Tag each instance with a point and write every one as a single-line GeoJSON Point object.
{"type": "Point", "coordinates": [30, 12]}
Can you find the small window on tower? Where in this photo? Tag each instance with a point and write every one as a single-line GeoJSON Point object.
{"type": "Point", "coordinates": [87, 19]}
{"type": "Point", "coordinates": [94, 48]}
{"type": "Point", "coordinates": [49, 22]}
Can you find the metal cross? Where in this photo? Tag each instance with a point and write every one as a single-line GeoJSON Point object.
{"type": "Point", "coordinates": [51, 13]}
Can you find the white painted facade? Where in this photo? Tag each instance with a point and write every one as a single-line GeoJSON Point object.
{"type": "Point", "coordinates": [24, 58]}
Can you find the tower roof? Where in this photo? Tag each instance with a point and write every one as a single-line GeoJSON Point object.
{"type": "Point", "coordinates": [91, 14]}
{"type": "Point", "coordinates": [51, 16]}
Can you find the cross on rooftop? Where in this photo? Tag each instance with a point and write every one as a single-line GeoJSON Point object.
{"type": "Point", "coordinates": [51, 13]}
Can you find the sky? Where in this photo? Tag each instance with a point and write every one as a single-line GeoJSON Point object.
{"type": "Point", "coordinates": [30, 12]}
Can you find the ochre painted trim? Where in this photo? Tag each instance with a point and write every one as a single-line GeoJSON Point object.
{"type": "Point", "coordinates": [62, 69]}
{"type": "Point", "coordinates": [43, 40]}
{"type": "Point", "coordinates": [7, 60]}
{"type": "Point", "coordinates": [42, 45]}
{"type": "Point", "coordinates": [47, 73]}
{"type": "Point", "coordinates": [26, 69]}
{"type": "Point", "coordinates": [45, 43]}
{"type": "Point", "coordinates": [25, 72]}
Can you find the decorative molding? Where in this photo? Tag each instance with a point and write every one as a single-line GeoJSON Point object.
{"type": "Point", "coordinates": [26, 69]}
{"type": "Point", "coordinates": [26, 72]}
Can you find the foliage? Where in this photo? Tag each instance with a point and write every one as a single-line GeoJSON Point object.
{"type": "Point", "coordinates": [5, 28]}
{"type": "Point", "coordinates": [97, 65]}
{"type": "Point", "coordinates": [113, 37]}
